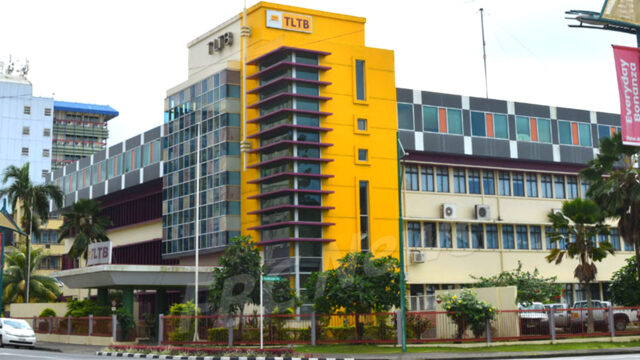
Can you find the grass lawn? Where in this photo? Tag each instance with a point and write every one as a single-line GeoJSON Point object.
{"type": "Point", "coordinates": [373, 349]}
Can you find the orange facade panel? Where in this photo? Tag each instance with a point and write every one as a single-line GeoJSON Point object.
{"type": "Point", "coordinates": [489, 118]}
{"type": "Point", "coordinates": [442, 115]}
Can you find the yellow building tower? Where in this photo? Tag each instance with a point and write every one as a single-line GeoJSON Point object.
{"type": "Point", "coordinates": [321, 172]}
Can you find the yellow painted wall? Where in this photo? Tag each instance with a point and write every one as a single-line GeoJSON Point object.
{"type": "Point", "coordinates": [343, 36]}
{"type": "Point", "coordinates": [136, 233]}
{"type": "Point", "coordinates": [460, 263]}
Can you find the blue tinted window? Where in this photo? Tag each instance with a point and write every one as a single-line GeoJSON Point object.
{"type": "Point", "coordinates": [430, 118]}
{"type": "Point", "coordinates": [535, 237]}
{"type": "Point", "coordinates": [521, 234]}
{"type": "Point", "coordinates": [522, 128]}
{"type": "Point", "coordinates": [500, 126]}
{"type": "Point", "coordinates": [442, 178]}
{"type": "Point", "coordinates": [413, 234]}
{"type": "Point", "coordinates": [478, 124]}
{"type": "Point", "coordinates": [604, 131]}
{"type": "Point", "coordinates": [559, 186]}
{"type": "Point", "coordinates": [473, 177]}
{"type": "Point", "coordinates": [615, 239]}
{"type": "Point", "coordinates": [507, 237]}
{"type": "Point", "coordinates": [492, 236]}
{"type": "Point", "coordinates": [564, 130]}
{"type": "Point", "coordinates": [462, 236]}
{"type": "Point", "coordinates": [426, 174]}
{"type": "Point", "coordinates": [360, 81]}
{"type": "Point", "coordinates": [544, 130]}
{"type": "Point", "coordinates": [488, 183]}
{"type": "Point", "coordinates": [518, 184]}
{"type": "Point", "coordinates": [405, 116]}
{"type": "Point", "coordinates": [454, 121]}
{"type": "Point", "coordinates": [445, 235]}
{"type": "Point", "coordinates": [477, 236]}
{"type": "Point", "coordinates": [584, 131]}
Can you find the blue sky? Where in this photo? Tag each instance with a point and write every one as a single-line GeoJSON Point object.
{"type": "Point", "coordinates": [128, 53]}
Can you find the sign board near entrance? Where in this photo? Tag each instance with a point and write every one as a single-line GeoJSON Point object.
{"type": "Point", "coordinates": [271, 278]}
{"type": "Point", "coordinates": [99, 253]}
{"type": "Point", "coordinates": [288, 21]}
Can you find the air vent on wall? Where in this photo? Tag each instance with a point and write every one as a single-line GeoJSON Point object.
{"type": "Point", "coordinates": [483, 212]}
{"type": "Point", "coordinates": [417, 257]}
{"type": "Point", "coordinates": [448, 211]}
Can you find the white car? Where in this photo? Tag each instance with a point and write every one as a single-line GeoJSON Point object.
{"type": "Point", "coordinates": [16, 332]}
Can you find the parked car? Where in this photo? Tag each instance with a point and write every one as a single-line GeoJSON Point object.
{"type": "Point", "coordinates": [16, 332]}
{"type": "Point", "coordinates": [621, 318]}
{"type": "Point", "coordinates": [561, 315]}
{"type": "Point", "coordinates": [534, 320]}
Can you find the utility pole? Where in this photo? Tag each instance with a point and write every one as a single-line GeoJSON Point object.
{"type": "Point", "coordinates": [484, 54]}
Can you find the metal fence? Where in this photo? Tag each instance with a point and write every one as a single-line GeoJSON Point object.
{"type": "Point", "coordinates": [383, 328]}
{"type": "Point", "coordinates": [68, 325]}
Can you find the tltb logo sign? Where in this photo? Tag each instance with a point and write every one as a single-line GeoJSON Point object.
{"type": "Point", "coordinates": [288, 21]}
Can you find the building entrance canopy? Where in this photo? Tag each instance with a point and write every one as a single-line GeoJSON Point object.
{"type": "Point", "coordinates": [138, 276]}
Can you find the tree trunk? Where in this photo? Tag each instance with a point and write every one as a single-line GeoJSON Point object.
{"type": "Point", "coordinates": [636, 243]}
{"type": "Point", "coordinates": [587, 293]}
{"type": "Point", "coordinates": [28, 270]}
{"type": "Point", "coordinates": [359, 328]}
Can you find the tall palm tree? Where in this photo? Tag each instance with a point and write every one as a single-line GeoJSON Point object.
{"type": "Point", "coordinates": [578, 226]}
{"type": "Point", "coordinates": [615, 186]}
{"type": "Point", "coordinates": [42, 288]}
{"type": "Point", "coordinates": [83, 224]}
{"type": "Point", "coordinates": [33, 202]}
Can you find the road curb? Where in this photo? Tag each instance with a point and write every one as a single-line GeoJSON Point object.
{"type": "Point", "coordinates": [178, 357]}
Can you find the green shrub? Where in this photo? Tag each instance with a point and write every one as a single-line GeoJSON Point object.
{"type": "Point", "coordinates": [47, 312]}
{"type": "Point", "coordinates": [219, 334]}
{"type": "Point", "coordinates": [468, 312]}
{"type": "Point", "coordinates": [125, 320]}
{"type": "Point", "coordinates": [81, 308]}
{"type": "Point", "coordinates": [182, 329]}
{"type": "Point", "coordinates": [339, 332]}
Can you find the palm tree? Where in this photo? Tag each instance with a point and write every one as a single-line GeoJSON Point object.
{"type": "Point", "coordinates": [577, 226]}
{"type": "Point", "coordinates": [83, 224]}
{"type": "Point", "coordinates": [42, 288]}
{"type": "Point", "coordinates": [615, 186]}
{"type": "Point", "coordinates": [33, 202]}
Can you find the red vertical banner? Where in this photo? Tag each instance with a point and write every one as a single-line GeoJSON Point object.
{"type": "Point", "coordinates": [627, 59]}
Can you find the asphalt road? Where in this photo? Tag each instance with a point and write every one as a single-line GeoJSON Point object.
{"type": "Point", "coordinates": [8, 353]}
{"type": "Point", "coordinates": [596, 357]}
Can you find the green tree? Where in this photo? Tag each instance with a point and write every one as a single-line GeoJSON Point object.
{"type": "Point", "coordinates": [615, 186]}
{"type": "Point", "coordinates": [31, 200]}
{"type": "Point", "coordinates": [235, 282]}
{"type": "Point", "coordinates": [83, 223]}
{"type": "Point", "coordinates": [578, 225]}
{"type": "Point", "coordinates": [624, 285]}
{"type": "Point", "coordinates": [42, 288]}
{"type": "Point", "coordinates": [359, 285]}
{"type": "Point", "coordinates": [531, 286]}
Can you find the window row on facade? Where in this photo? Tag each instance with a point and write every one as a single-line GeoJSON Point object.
{"type": "Point", "coordinates": [133, 159]}
{"type": "Point", "coordinates": [448, 235]}
{"type": "Point", "coordinates": [496, 125]}
{"type": "Point", "coordinates": [493, 182]}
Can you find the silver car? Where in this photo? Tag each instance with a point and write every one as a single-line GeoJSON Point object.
{"type": "Point", "coordinates": [561, 315]}
{"type": "Point", "coordinates": [16, 332]}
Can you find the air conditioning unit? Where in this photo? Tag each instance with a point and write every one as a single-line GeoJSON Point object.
{"type": "Point", "coordinates": [448, 211]}
{"type": "Point", "coordinates": [483, 212]}
{"type": "Point", "coordinates": [417, 257]}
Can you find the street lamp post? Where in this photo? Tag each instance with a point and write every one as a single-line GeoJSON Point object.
{"type": "Point", "coordinates": [403, 310]}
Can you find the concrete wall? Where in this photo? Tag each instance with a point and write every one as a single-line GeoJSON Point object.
{"type": "Point", "coordinates": [503, 298]}
{"type": "Point", "coordinates": [34, 309]}
{"type": "Point", "coordinates": [76, 339]}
